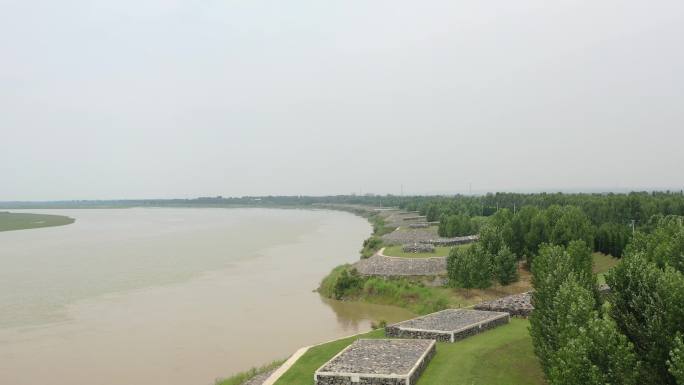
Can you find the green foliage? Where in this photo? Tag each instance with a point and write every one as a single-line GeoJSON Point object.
{"type": "Point", "coordinates": [456, 226]}
{"type": "Point", "coordinates": [470, 268]}
{"type": "Point", "coordinates": [612, 238]}
{"type": "Point", "coordinates": [371, 246]}
{"type": "Point", "coordinates": [648, 306]}
{"type": "Point", "coordinates": [572, 224]}
{"type": "Point", "coordinates": [664, 245]}
{"type": "Point", "coordinates": [379, 227]}
{"type": "Point", "coordinates": [597, 355]}
{"type": "Point", "coordinates": [521, 226]}
{"type": "Point", "coordinates": [344, 282]}
{"type": "Point", "coordinates": [491, 238]}
{"type": "Point", "coordinates": [340, 282]}
{"type": "Point", "coordinates": [432, 213]}
{"type": "Point", "coordinates": [564, 296]}
{"type": "Point", "coordinates": [676, 362]}
{"type": "Point", "coordinates": [505, 266]}
{"type": "Point", "coordinates": [403, 293]}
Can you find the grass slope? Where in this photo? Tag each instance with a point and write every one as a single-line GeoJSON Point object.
{"type": "Point", "coordinates": [21, 221]}
{"type": "Point", "coordinates": [502, 356]}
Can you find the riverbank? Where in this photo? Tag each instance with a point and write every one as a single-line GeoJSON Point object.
{"type": "Point", "coordinates": [22, 221]}
{"type": "Point", "coordinates": [502, 356]}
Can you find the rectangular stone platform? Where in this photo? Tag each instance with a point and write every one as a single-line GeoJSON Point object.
{"type": "Point", "coordinates": [378, 362]}
{"type": "Point", "coordinates": [516, 305]}
{"type": "Point", "coordinates": [448, 325]}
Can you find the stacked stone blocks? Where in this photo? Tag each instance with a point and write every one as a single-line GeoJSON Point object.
{"type": "Point", "coordinates": [448, 325]}
{"type": "Point", "coordinates": [378, 362]}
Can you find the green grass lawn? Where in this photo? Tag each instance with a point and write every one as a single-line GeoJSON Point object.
{"type": "Point", "coordinates": [21, 221]}
{"type": "Point", "coordinates": [603, 263]}
{"type": "Point", "coordinates": [502, 356]}
{"type": "Point", "coordinates": [440, 251]}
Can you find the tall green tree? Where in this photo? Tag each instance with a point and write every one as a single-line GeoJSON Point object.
{"type": "Point", "coordinates": [572, 225]}
{"type": "Point", "coordinates": [470, 267]}
{"type": "Point", "coordinates": [505, 266]}
{"type": "Point", "coordinates": [550, 270]}
{"type": "Point", "coordinates": [676, 362]}
{"type": "Point", "coordinates": [647, 303]}
{"type": "Point", "coordinates": [599, 354]}
{"type": "Point", "coordinates": [521, 226]}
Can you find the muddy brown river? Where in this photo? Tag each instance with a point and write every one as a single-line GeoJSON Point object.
{"type": "Point", "coordinates": [172, 296]}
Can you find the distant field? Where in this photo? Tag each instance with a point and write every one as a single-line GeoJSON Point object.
{"type": "Point", "coordinates": [500, 356]}
{"type": "Point", "coordinates": [440, 251]}
{"type": "Point", "coordinates": [603, 263]}
{"type": "Point", "coordinates": [21, 221]}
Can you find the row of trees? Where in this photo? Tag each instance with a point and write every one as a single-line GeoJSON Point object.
{"type": "Point", "coordinates": [477, 267]}
{"type": "Point", "coordinates": [635, 336]}
{"type": "Point", "coordinates": [576, 342]}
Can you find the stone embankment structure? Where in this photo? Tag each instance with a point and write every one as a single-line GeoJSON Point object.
{"type": "Point", "coordinates": [516, 305]}
{"type": "Point", "coordinates": [424, 235]}
{"type": "Point", "coordinates": [381, 265]}
{"type": "Point", "coordinates": [449, 325]}
{"type": "Point", "coordinates": [418, 248]}
{"type": "Point", "coordinates": [378, 362]}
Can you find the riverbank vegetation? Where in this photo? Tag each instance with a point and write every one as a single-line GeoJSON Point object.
{"type": "Point", "coordinates": [241, 378]}
{"type": "Point", "coordinates": [345, 283]}
{"type": "Point", "coordinates": [503, 355]}
{"type": "Point", "coordinates": [21, 221]}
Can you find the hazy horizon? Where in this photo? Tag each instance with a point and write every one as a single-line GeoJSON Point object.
{"type": "Point", "coordinates": [178, 99]}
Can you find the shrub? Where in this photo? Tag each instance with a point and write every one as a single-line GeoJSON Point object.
{"type": "Point", "coordinates": [371, 246]}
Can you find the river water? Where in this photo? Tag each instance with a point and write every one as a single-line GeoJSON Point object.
{"type": "Point", "coordinates": [172, 295]}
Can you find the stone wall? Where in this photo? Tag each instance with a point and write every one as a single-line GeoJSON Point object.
{"type": "Point", "coordinates": [459, 335]}
{"type": "Point", "coordinates": [397, 332]}
{"type": "Point", "coordinates": [418, 248]}
{"type": "Point", "coordinates": [379, 265]}
{"type": "Point", "coordinates": [413, 377]}
{"type": "Point", "coordinates": [519, 305]}
{"type": "Point", "coordinates": [347, 380]}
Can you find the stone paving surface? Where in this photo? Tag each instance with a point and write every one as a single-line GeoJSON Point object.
{"type": "Point", "coordinates": [425, 235]}
{"type": "Point", "coordinates": [384, 266]}
{"type": "Point", "coordinates": [384, 356]}
{"type": "Point", "coordinates": [449, 320]}
{"type": "Point", "coordinates": [516, 304]}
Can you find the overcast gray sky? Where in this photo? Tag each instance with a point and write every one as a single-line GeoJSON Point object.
{"type": "Point", "coordinates": [171, 98]}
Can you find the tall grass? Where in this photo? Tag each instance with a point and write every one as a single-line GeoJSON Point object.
{"type": "Point", "coordinates": [242, 377]}
{"type": "Point", "coordinates": [345, 283]}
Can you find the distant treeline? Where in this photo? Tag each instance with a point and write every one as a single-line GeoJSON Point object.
{"type": "Point", "coordinates": [610, 215]}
